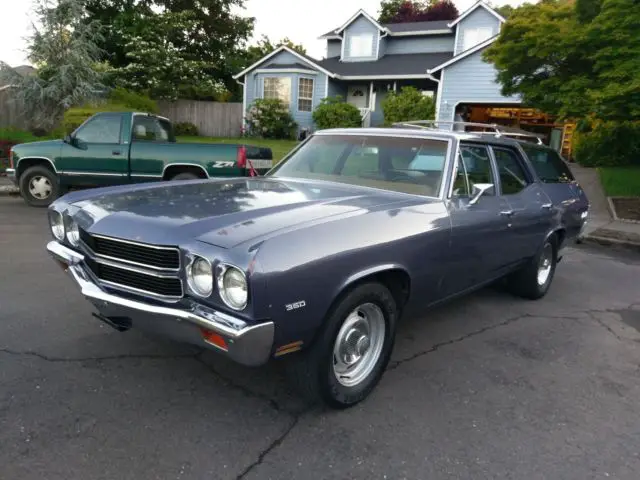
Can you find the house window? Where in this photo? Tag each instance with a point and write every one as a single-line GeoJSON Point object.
{"type": "Point", "coordinates": [305, 95]}
{"type": "Point", "coordinates": [361, 45]}
{"type": "Point", "coordinates": [278, 87]}
{"type": "Point", "coordinates": [473, 36]}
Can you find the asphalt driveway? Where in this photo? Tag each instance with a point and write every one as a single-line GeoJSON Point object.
{"type": "Point", "coordinates": [488, 387]}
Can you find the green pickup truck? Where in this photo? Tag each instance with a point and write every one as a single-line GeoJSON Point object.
{"type": "Point", "coordinates": [114, 148]}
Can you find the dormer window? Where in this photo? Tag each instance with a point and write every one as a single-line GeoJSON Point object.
{"type": "Point", "coordinates": [473, 36]}
{"type": "Point", "coordinates": [361, 45]}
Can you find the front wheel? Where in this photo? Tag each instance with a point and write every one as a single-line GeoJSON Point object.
{"type": "Point", "coordinates": [534, 279]}
{"type": "Point", "coordinates": [39, 186]}
{"type": "Point", "coordinates": [348, 358]}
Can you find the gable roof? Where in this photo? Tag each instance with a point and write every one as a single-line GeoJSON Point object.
{"type": "Point", "coordinates": [478, 4]}
{"type": "Point", "coordinates": [353, 19]}
{"type": "Point", "coordinates": [436, 27]}
{"type": "Point", "coordinates": [305, 58]}
{"type": "Point", "coordinates": [464, 54]}
{"type": "Point", "coordinates": [390, 66]}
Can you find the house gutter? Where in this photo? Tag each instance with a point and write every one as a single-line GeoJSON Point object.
{"type": "Point", "coordinates": [431, 77]}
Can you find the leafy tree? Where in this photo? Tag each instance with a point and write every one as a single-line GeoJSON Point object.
{"type": "Point", "coordinates": [587, 10]}
{"type": "Point", "coordinates": [159, 63]}
{"type": "Point", "coordinates": [405, 11]}
{"type": "Point", "coordinates": [64, 48]}
{"type": "Point", "coordinates": [334, 112]}
{"type": "Point", "coordinates": [406, 105]}
{"type": "Point", "coordinates": [564, 65]}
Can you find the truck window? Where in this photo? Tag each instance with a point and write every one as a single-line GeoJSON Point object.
{"type": "Point", "coordinates": [548, 164]}
{"type": "Point", "coordinates": [104, 128]}
{"type": "Point", "coordinates": [151, 129]}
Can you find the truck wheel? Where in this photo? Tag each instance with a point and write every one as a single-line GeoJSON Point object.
{"type": "Point", "coordinates": [39, 186]}
{"type": "Point", "coordinates": [350, 354]}
{"type": "Point", "coordinates": [534, 279]}
{"type": "Point", "coordinates": [185, 176]}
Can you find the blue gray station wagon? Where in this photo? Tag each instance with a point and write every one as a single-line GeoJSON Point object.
{"type": "Point", "coordinates": [315, 262]}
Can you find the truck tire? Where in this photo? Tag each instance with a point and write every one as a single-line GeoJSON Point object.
{"type": "Point", "coordinates": [534, 279]}
{"type": "Point", "coordinates": [351, 352]}
{"type": "Point", "coordinates": [39, 186]}
{"type": "Point", "coordinates": [185, 176]}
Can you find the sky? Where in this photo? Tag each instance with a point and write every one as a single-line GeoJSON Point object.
{"type": "Point", "coordinates": [302, 23]}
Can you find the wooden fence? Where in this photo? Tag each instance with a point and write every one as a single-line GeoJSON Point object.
{"type": "Point", "coordinates": [10, 115]}
{"type": "Point", "coordinates": [213, 119]}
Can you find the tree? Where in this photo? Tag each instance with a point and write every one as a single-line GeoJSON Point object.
{"type": "Point", "coordinates": [405, 11]}
{"type": "Point", "coordinates": [263, 47]}
{"type": "Point", "coordinates": [64, 49]}
{"type": "Point", "coordinates": [159, 64]}
{"type": "Point", "coordinates": [565, 66]}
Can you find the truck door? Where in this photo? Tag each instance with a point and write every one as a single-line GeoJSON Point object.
{"type": "Point", "coordinates": [95, 154]}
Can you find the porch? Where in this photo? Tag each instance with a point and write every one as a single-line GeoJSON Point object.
{"type": "Point", "coordinates": [367, 95]}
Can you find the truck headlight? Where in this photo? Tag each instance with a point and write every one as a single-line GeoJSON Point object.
{"type": "Point", "coordinates": [56, 222]}
{"type": "Point", "coordinates": [73, 235]}
{"type": "Point", "coordinates": [200, 277]}
{"type": "Point", "coordinates": [232, 285]}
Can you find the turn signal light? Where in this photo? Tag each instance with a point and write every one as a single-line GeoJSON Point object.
{"type": "Point", "coordinates": [214, 339]}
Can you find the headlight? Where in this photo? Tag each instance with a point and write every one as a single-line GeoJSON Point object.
{"type": "Point", "coordinates": [57, 224]}
{"type": "Point", "coordinates": [73, 235]}
{"type": "Point", "coordinates": [232, 285]}
{"type": "Point", "coordinates": [200, 277]}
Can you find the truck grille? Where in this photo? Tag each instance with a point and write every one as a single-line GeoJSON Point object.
{"type": "Point", "coordinates": [149, 256]}
{"type": "Point", "coordinates": [134, 267]}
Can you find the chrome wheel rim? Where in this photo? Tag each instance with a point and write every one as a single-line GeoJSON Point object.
{"type": "Point", "coordinates": [358, 345]}
{"type": "Point", "coordinates": [544, 266]}
{"type": "Point", "coordinates": [40, 187]}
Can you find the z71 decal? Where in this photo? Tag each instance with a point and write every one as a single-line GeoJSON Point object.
{"type": "Point", "coordinates": [221, 164]}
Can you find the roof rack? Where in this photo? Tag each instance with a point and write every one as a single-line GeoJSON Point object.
{"type": "Point", "coordinates": [497, 130]}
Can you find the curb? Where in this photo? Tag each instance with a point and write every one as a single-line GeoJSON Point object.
{"type": "Point", "coordinates": [608, 242]}
{"type": "Point", "coordinates": [9, 190]}
{"type": "Point", "coordinates": [612, 211]}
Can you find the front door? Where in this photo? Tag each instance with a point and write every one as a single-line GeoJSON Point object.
{"type": "Point", "coordinates": [357, 95]}
{"type": "Point", "coordinates": [96, 155]}
{"type": "Point", "coordinates": [479, 231]}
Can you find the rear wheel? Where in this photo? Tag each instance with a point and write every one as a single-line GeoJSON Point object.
{"type": "Point", "coordinates": [39, 186]}
{"type": "Point", "coordinates": [534, 279]}
{"type": "Point", "coordinates": [348, 358]}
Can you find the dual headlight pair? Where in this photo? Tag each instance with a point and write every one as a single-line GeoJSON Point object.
{"type": "Point", "coordinates": [231, 282]}
{"type": "Point", "coordinates": [61, 228]}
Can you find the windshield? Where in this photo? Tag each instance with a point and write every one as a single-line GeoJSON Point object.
{"type": "Point", "coordinates": [408, 165]}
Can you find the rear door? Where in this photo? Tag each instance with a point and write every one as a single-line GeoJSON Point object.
{"type": "Point", "coordinates": [97, 155]}
{"type": "Point", "coordinates": [530, 212]}
{"type": "Point", "coordinates": [480, 232]}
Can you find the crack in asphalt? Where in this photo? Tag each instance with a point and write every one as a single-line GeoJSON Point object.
{"type": "Point", "coordinates": [47, 358]}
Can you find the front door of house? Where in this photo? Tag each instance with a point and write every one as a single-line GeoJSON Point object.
{"type": "Point", "coordinates": [357, 95]}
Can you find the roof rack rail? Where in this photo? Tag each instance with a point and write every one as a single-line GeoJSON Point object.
{"type": "Point", "coordinates": [497, 130]}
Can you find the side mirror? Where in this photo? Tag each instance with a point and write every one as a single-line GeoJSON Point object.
{"type": "Point", "coordinates": [479, 189]}
{"type": "Point", "coordinates": [69, 139]}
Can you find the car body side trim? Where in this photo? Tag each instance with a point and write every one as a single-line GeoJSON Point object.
{"type": "Point", "coordinates": [37, 158]}
{"type": "Point", "coordinates": [164, 170]}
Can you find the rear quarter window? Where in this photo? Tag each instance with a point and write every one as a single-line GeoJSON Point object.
{"type": "Point", "coordinates": [548, 165]}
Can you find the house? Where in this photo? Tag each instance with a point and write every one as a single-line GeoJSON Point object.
{"type": "Point", "coordinates": [365, 60]}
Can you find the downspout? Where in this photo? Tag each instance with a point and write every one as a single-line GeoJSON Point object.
{"type": "Point", "coordinates": [244, 105]}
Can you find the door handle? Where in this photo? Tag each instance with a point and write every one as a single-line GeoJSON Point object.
{"type": "Point", "coordinates": [116, 152]}
{"type": "Point", "coordinates": [547, 206]}
{"type": "Point", "coordinates": [506, 213]}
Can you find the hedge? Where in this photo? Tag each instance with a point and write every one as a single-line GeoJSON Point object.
{"type": "Point", "coordinates": [607, 144]}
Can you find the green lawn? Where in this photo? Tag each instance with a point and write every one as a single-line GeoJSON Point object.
{"type": "Point", "coordinates": [279, 147]}
{"type": "Point", "coordinates": [620, 181]}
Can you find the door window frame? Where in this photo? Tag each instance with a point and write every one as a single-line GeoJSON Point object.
{"type": "Point", "coordinates": [93, 119]}
{"type": "Point", "coordinates": [519, 160]}
{"type": "Point", "coordinates": [497, 191]}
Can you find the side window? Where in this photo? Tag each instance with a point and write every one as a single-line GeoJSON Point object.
{"type": "Point", "coordinates": [513, 177]}
{"type": "Point", "coordinates": [150, 129]}
{"type": "Point", "coordinates": [474, 166]}
{"type": "Point", "coordinates": [548, 165]}
{"type": "Point", "coordinates": [101, 129]}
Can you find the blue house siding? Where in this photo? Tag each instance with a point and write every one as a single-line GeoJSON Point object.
{"type": "Point", "coordinates": [337, 88]}
{"type": "Point", "coordinates": [479, 18]}
{"type": "Point", "coordinates": [360, 26]}
{"type": "Point", "coordinates": [282, 58]}
{"type": "Point", "coordinates": [334, 48]}
{"type": "Point", "coordinates": [428, 44]}
{"type": "Point", "coordinates": [469, 80]}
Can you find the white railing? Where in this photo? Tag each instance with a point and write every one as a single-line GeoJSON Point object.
{"type": "Point", "coordinates": [365, 113]}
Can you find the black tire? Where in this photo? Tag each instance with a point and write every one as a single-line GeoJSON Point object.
{"type": "Point", "coordinates": [185, 176]}
{"type": "Point", "coordinates": [525, 282]}
{"type": "Point", "coordinates": [50, 185]}
{"type": "Point", "coordinates": [312, 370]}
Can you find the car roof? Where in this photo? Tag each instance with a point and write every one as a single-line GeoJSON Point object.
{"type": "Point", "coordinates": [417, 131]}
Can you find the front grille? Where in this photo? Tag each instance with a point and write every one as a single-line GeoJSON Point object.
{"type": "Point", "coordinates": [145, 283]}
{"type": "Point", "coordinates": [150, 256]}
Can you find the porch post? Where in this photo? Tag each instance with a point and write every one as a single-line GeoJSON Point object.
{"type": "Point", "coordinates": [372, 102]}
{"type": "Point", "coordinates": [395, 85]}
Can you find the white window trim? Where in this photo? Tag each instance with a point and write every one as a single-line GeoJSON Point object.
{"type": "Point", "coordinates": [313, 87]}
{"type": "Point", "coordinates": [264, 79]}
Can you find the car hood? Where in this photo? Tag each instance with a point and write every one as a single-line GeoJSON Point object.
{"type": "Point", "coordinates": [221, 212]}
{"type": "Point", "coordinates": [41, 144]}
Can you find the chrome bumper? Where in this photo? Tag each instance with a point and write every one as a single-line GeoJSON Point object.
{"type": "Point", "coordinates": [246, 344]}
{"type": "Point", "coordinates": [11, 175]}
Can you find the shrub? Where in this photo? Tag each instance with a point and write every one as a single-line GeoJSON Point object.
{"type": "Point", "coordinates": [186, 129]}
{"type": "Point", "coordinates": [270, 118]}
{"type": "Point", "coordinates": [133, 100]}
{"type": "Point", "coordinates": [607, 144]}
{"type": "Point", "coordinates": [334, 112]}
{"type": "Point", "coordinates": [406, 105]}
